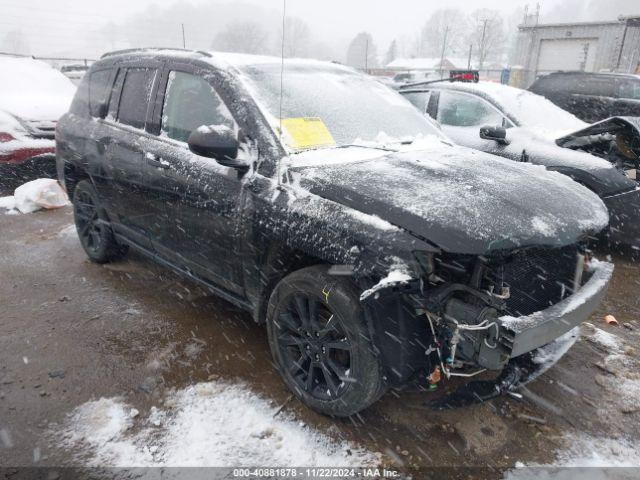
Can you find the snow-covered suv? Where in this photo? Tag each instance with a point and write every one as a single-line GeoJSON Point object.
{"type": "Point", "coordinates": [324, 204]}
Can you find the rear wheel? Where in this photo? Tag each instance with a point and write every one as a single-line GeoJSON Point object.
{"type": "Point", "coordinates": [320, 342]}
{"type": "Point", "coordinates": [92, 225]}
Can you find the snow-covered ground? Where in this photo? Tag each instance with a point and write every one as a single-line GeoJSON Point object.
{"type": "Point", "coordinates": [207, 424]}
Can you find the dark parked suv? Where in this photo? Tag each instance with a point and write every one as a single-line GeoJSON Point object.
{"type": "Point", "coordinates": [592, 96]}
{"type": "Point", "coordinates": [326, 206]}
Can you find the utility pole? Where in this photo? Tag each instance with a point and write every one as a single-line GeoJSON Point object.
{"type": "Point", "coordinates": [366, 55]}
{"type": "Point", "coordinates": [184, 42]}
{"type": "Point", "coordinates": [483, 53]}
{"type": "Point", "coordinates": [469, 61]}
{"type": "Point", "coordinates": [444, 46]}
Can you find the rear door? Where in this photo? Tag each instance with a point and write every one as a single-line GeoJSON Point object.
{"type": "Point", "coordinates": [200, 197]}
{"type": "Point", "coordinates": [121, 181]}
{"type": "Point", "coordinates": [592, 97]}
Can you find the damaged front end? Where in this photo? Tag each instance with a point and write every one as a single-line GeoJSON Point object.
{"type": "Point", "coordinates": [616, 139]}
{"type": "Point", "coordinates": [494, 313]}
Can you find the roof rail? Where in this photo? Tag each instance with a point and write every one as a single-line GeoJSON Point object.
{"type": "Point", "coordinates": [146, 49]}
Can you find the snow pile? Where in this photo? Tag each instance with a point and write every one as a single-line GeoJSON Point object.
{"type": "Point", "coordinates": [32, 196]}
{"type": "Point", "coordinates": [32, 90]}
{"type": "Point", "coordinates": [208, 424]}
{"type": "Point", "coordinates": [584, 452]}
{"type": "Point", "coordinates": [9, 204]}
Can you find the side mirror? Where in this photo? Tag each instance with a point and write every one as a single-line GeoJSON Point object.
{"type": "Point", "coordinates": [497, 134]}
{"type": "Point", "coordinates": [218, 142]}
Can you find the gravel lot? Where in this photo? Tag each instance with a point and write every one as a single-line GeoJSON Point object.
{"type": "Point", "coordinates": [72, 332]}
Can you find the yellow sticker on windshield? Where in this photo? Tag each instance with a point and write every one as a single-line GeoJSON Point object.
{"type": "Point", "coordinates": [309, 132]}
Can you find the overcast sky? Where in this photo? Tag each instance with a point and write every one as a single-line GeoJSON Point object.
{"type": "Point", "coordinates": [66, 26]}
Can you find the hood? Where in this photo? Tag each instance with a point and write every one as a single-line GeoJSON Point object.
{"type": "Point", "coordinates": [36, 107]}
{"type": "Point", "coordinates": [462, 200]}
{"type": "Point", "coordinates": [32, 90]}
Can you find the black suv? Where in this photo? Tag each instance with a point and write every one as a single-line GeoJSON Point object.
{"type": "Point", "coordinates": [592, 96]}
{"type": "Point", "coordinates": [323, 203]}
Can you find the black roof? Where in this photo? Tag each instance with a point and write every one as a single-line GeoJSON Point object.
{"type": "Point", "coordinates": [599, 74]}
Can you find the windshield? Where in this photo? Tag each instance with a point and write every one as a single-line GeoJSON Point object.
{"type": "Point", "coordinates": [325, 106]}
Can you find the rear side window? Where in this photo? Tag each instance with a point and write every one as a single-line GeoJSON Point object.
{"type": "Point", "coordinates": [99, 90]}
{"type": "Point", "coordinates": [135, 96]}
{"type": "Point", "coordinates": [190, 102]}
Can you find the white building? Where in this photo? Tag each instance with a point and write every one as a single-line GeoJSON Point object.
{"type": "Point", "coordinates": [611, 46]}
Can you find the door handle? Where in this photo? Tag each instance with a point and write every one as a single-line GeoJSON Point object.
{"type": "Point", "coordinates": [156, 161]}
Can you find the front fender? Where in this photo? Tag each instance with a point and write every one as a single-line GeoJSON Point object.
{"type": "Point", "coordinates": [331, 232]}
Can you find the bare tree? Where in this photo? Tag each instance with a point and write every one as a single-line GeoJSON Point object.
{"type": "Point", "coordinates": [443, 32]}
{"type": "Point", "coordinates": [297, 38]}
{"type": "Point", "coordinates": [15, 42]}
{"type": "Point", "coordinates": [362, 52]}
{"type": "Point", "coordinates": [487, 35]}
{"type": "Point", "coordinates": [242, 37]}
{"type": "Point", "coordinates": [392, 52]}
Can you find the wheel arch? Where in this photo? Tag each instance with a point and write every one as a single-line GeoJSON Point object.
{"type": "Point", "coordinates": [278, 262]}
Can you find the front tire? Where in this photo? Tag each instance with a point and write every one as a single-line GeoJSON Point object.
{"type": "Point", "coordinates": [321, 344]}
{"type": "Point", "coordinates": [92, 225]}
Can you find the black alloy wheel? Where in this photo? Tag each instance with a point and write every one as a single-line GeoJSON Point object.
{"type": "Point", "coordinates": [314, 344]}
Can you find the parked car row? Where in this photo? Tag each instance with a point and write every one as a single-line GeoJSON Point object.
{"type": "Point", "coordinates": [525, 127]}
{"type": "Point", "coordinates": [592, 96]}
{"type": "Point", "coordinates": [32, 98]}
{"type": "Point", "coordinates": [376, 250]}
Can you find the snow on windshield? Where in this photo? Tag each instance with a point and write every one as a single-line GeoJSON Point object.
{"type": "Point", "coordinates": [325, 105]}
{"type": "Point", "coordinates": [530, 110]}
{"type": "Point", "coordinates": [32, 90]}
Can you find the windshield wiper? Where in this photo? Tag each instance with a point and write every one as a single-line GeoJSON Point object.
{"type": "Point", "coordinates": [386, 149]}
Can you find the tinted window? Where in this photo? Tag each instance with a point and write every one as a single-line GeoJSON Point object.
{"type": "Point", "coordinates": [551, 84]}
{"type": "Point", "coordinates": [629, 88]}
{"type": "Point", "coordinates": [99, 89]}
{"type": "Point", "coordinates": [419, 99]}
{"type": "Point", "coordinates": [463, 110]}
{"type": "Point", "coordinates": [592, 85]}
{"type": "Point", "coordinates": [113, 103]}
{"type": "Point", "coordinates": [136, 93]}
{"type": "Point", "coordinates": [191, 102]}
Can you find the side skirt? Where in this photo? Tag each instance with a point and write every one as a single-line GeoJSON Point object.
{"type": "Point", "coordinates": [224, 294]}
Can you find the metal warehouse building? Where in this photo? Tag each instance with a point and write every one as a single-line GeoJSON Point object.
{"type": "Point", "coordinates": [612, 46]}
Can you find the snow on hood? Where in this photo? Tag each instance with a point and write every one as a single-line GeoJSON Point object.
{"type": "Point", "coordinates": [32, 90]}
{"type": "Point", "coordinates": [462, 200]}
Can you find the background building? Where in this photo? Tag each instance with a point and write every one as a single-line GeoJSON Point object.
{"type": "Point", "coordinates": [612, 46]}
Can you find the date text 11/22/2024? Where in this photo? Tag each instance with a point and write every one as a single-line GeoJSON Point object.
{"type": "Point", "coordinates": [312, 473]}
